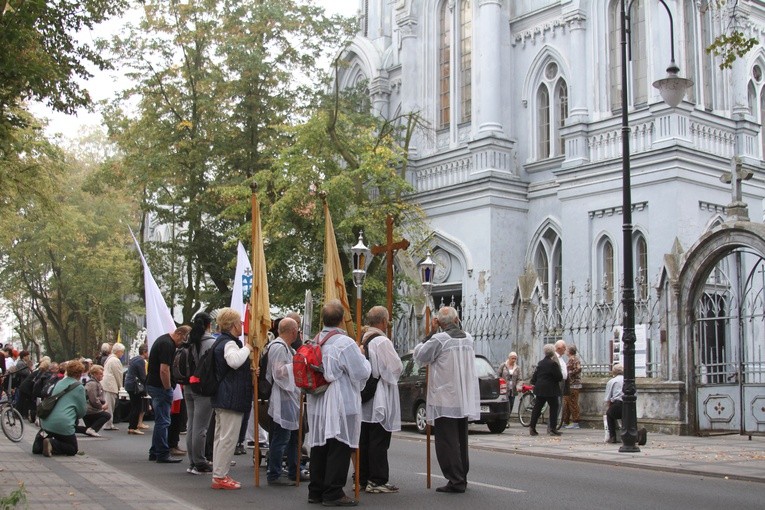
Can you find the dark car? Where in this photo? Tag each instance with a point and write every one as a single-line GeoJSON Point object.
{"type": "Point", "coordinates": [495, 409]}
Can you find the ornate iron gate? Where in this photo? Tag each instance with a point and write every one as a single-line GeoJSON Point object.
{"type": "Point", "coordinates": [729, 346]}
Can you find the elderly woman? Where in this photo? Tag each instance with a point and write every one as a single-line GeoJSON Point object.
{"type": "Point", "coordinates": [96, 414]}
{"type": "Point", "coordinates": [135, 385]}
{"type": "Point", "coordinates": [112, 382]}
{"type": "Point", "coordinates": [546, 381]}
{"type": "Point", "coordinates": [59, 425]}
{"type": "Point", "coordinates": [571, 401]}
{"type": "Point", "coordinates": [234, 395]}
{"type": "Point", "coordinates": [511, 372]}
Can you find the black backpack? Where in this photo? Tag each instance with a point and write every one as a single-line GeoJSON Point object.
{"type": "Point", "coordinates": [369, 389]}
{"type": "Point", "coordinates": [204, 380]}
{"type": "Point", "coordinates": [184, 363]}
{"type": "Point", "coordinates": [264, 385]}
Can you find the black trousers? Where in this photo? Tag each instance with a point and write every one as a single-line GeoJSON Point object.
{"type": "Point", "coordinates": [63, 445]}
{"type": "Point", "coordinates": [553, 403]}
{"type": "Point", "coordinates": [94, 421]}
{"type": "Point", "coordinates": [329, 470]}
{"type": "Point", "coordinates": [136, 407]}
{"type": "Point", "coordinates": [374, 443]}
{"type": "Point", "coordinates": [452, 450]}
{"type": "Point", "coordinates": [614, 413]}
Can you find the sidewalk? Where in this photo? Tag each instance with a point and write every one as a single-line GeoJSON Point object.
{"type": "Point", "coordinates": [729, 456]}
{"type": "Point", "coordinates": [81, 481]}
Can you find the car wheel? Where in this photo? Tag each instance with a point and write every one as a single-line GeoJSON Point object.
{"type": "Point", "coordinates": [497, 426]}
{"type": "Point", "coordinates": [419, 418]}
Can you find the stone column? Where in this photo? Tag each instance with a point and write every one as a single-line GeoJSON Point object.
{"type": "Point", "coordinates": [577, 84]}
{"type": "Point", "coordinates": [487, 92]}
{"type": "Point", "coordinates": [407, 27]}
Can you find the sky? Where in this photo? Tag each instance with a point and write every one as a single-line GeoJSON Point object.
{"type": "Point", "coordinates": [104, 84]}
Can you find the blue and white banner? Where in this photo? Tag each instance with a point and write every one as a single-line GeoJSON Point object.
{"type": "Point", "coordinates": [242, 282]}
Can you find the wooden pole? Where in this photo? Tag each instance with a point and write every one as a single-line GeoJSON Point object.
{"type": "Point", "coordinates": [427, 378]}
{"type": "Point", "coordinates": [300, 442]}
{"type": "Point", "coordinates": [357, 458]}
{"type": "Point", "coordinates": [255, 355]}
{"type": "Point", "coordinates": [256, 452]}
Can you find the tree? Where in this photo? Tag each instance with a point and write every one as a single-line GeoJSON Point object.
{"type": "Point", "coordinates": [733, 43]}
{"type": "Point", "coordinates": [41, 57]}
{"type": "Point", "coordinates": [214, 79]}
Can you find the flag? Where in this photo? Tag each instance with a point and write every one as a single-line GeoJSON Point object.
{"type": "Point", "coordinates": [159, 320]}
{"type": "Point", "coordinates": [260, 307]}
{"type": "Point", "coordinates": [334, 283]}
{"type": "Point", "coordinates": [242, 286]}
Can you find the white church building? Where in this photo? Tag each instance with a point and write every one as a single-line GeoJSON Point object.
{"type": "Point", "coordinates": [519, 170]}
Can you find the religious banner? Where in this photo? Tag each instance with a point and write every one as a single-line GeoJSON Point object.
{"type": "Point", "coordinates": [242, 286]}
{"type": "Point", "coordinates": [260, 306]}
{"type": "Point", "coordinates": [334, 283]}
{"type": "Point", "coordinates": [159, 320]}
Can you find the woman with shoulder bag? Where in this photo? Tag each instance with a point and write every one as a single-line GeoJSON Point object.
{"type": "Point", "coordinates": [511, 373]}
{"type": "Point", "coordinates": [135, 385]}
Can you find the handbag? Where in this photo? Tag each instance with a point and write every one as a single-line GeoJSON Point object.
{"type": "Point", "coordinates": [140, 387]}
{"type": "Point", "coordinates": [45, 407]}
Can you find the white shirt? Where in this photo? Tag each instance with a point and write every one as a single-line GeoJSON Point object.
{"type": "Point", "coordinates": [452, 384]}
{"type": "Point", "coordinates": [563, 366]}
{"type": "Point", "coordinates": [284, 404]}
{"type": "Point", "coordinates": [336, 413]}
{"type": "Point", "coordinates": [385, 407]}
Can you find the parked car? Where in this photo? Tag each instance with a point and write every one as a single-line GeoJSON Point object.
{"type": "Point", "coordinates": [495, 406]}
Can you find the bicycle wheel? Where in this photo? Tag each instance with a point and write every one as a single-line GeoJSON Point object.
{"type": "Point", "coordinates": [12, 424]}
{"type": "Point", "coordinates": [525, 406]}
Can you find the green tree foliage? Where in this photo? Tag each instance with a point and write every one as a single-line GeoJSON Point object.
{"type": "Point", "coordinates": [41, 56]}
{"type": "Point", "coordinates": [214, 82]}
{"type": "Point", "coordinates": [65, 270]}
{"type": "Point", "coordinates": [733, 43]}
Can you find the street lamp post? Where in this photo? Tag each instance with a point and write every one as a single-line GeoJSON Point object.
{"type": "Point", "coordinates": [362, 256]}
{"type": "Point", "coordinates": [427, 267]}
{"type": "Point", "coordinates": [672, 89]}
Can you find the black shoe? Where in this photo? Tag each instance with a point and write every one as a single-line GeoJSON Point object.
{"type": "Point", "coordinates": [169, 460]}
{"type": "Point", "coordinates": [344, 501]}
{"type": "Point", "coordinates": [152, 457]}
{"type": "Point", "coordinates": [553, 433]}
{"type": "Point", "coordinates": [642, 436]}
{"type": "Point", "coordinates": [450, 489]}
{"type": "Point", "coordinates": [314, 501]}
{"type": "Point", "coordinates": [612, 440]}
{"type": "Point", "coordinates": [282, 482]}
{"type": "Point", "coordinates": [533, 432]}
{"type": "Point", "coordinates": [240, 450]}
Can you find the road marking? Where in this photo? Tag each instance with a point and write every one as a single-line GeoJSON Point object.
{"type": "Point", "coordinates": [499, 488]}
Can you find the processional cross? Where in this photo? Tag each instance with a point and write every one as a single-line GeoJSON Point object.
{"type": "Point", "coordinates": [389, 248]}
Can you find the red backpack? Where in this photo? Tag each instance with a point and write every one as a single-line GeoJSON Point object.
{"type": "Point", "coordinates": [307, 367]}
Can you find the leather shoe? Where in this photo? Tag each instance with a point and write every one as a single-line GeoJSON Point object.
{"type": "Point", "coordinates": [152, 457]}
{"type": "Point", "coordinates": [533, 432]}
{"type": "Point", "coordinates": [314, 501]}
{"type": "Point", "coordinates": [553, 433]}
{"type": "Point", "coordinates": [612, 440]}
{"type": "Point", "coordinates": [169, 460]}
{"type": "Point", "coordinates": [177, 451]}
{"type": "Point", "coordinates": [450, 489]}
{"type": "Point", "coordinates": [344, 501]}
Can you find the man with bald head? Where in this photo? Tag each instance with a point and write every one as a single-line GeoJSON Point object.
{"type": "Point", "coordinates": [283, 406]}
{"type": "Point", "coordinates": [453, 396]}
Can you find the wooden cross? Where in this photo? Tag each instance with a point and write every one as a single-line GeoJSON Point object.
{"type": "Point", "coordinates": [389, 248]}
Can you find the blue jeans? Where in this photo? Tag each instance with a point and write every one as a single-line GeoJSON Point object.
{"type": "Point", "coordinates": [280, 440]}
{"type": "Point", "coordinates": [161, 401]}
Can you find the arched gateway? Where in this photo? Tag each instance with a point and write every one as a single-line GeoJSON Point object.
{"type": "Point", "coordinates": [721, 289]}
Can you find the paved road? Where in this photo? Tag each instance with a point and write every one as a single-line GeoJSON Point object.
{"type": "Point", "coordinates": [510, 470]}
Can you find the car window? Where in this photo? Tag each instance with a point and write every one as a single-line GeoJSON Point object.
{"type": "Point", "coordinates": [483, 368]}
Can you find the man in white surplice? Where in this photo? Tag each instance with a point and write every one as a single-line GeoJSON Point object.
{"type": "Point", "coordinates": [453, 395]}
{"type": "Point", "coordinates": [380, 415]}
{"type": "Point", "coordinates": [334, 416]}
{"type": "Point", "coordinates": [283, 406]}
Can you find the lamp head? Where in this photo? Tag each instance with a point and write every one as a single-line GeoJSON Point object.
{"type": "Point", "coordinates": [673, 87]}
{"type": "Point", "coordinates": [362, 256]}
{"type": "Point", "coordinates": [427, 267]}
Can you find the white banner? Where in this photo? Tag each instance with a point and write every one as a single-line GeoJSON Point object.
{"type": "Point", "coordinates": [242, 282]}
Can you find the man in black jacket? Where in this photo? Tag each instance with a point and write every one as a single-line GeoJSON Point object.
{"type": "Point", "coordinates": [546, 381]}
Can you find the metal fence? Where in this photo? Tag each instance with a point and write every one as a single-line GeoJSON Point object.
{"type": "Point", "coordinates": [577, 318]}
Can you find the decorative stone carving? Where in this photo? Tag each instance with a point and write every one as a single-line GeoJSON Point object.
{"type": "Point", "coordinates": [443, 265]}
{"type": "Point", "coordinates": [526, 283]}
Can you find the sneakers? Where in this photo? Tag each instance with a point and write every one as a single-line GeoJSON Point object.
{"type": "Point", "coordinates": [47, 448]}
{"type": "Point", "coordinates": [92, 433]}
{"type": "Point", "coordinates": [226, 483]}
{"type": "Point", "coordinates": [240, 450]}
{"type": "Point", "coordinates": [193, 470]}
{"type": "Point", "coordinates": [386, 488]}
{"type": "Point", "coordinates": [574, 425]}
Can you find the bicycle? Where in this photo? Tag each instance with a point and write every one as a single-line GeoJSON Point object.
{"type": "Point", "coordinates": [10, 419]}
{"type": "Point", "coordinates": [526, 405]}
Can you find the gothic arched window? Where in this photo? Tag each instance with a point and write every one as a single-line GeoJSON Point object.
{"type": "Point", "coordinates": [466, 58]}
{"type": "Point", "coordinates": [641, 267]}
{"type": "Point", "coordinates": [606, 270]}
{"type": "Point", "coordinates": [444, 65]}
{"type": "Point", "coordinates": [548, 263]}
{"type": "Point", "coordinates": [637, 64]}
{"type": "Point", "coordinates": [551, 115]}
{"type": "Point", "coordinates": [756, 93]}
